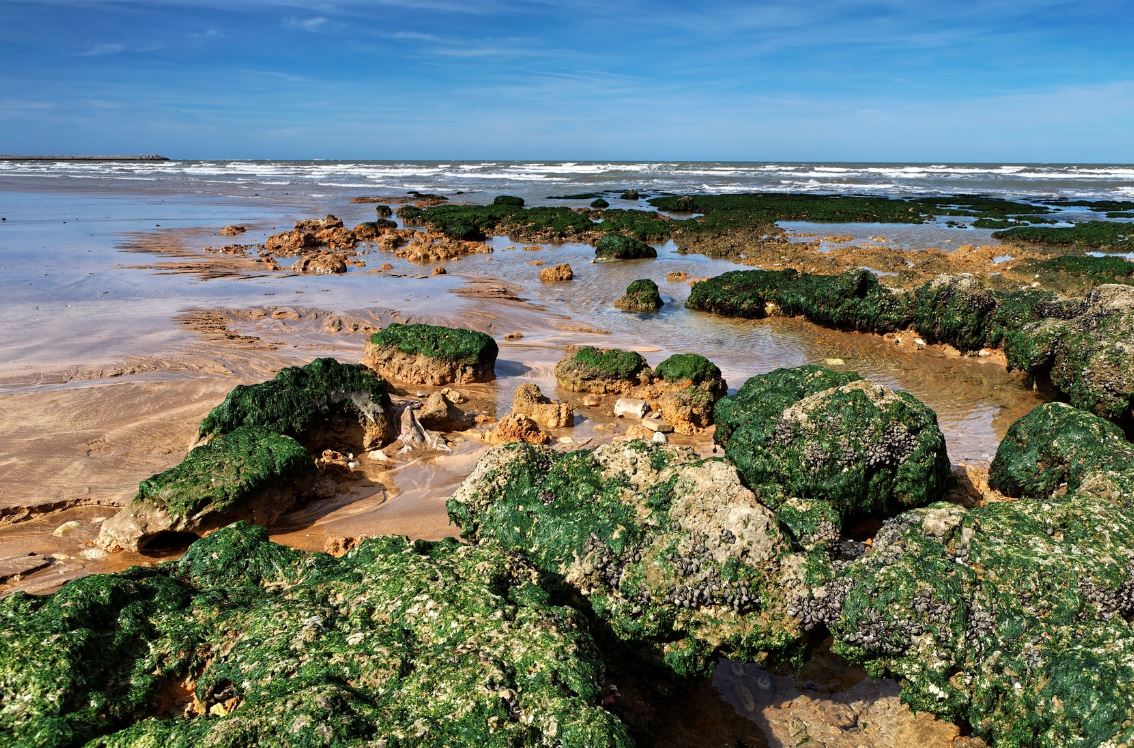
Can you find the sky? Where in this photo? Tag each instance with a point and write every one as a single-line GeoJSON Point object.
{"type": "Point", "coordinates": [769, 80]}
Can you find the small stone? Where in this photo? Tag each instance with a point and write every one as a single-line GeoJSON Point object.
{"type": "Point", "coordinates": [514, 336]}
{"type": "Point", "coordinates": [630, 406]}
{"type": "Point", "coordinates": [591, 401]}
{"type": "Point", "coordinates": [658, 438]}
{"type": "Point", "coordinates": [66, 528]}
{"type": "Point", "coordinates": [918, 341]}
{"type": "Point", "coordinates": [440, 270]}
{"type": "Point", "coordinates": [378, 455]}
{"type": "Point", "coordinates": [834, 362]}
{"type": "Point", "coordinates": [657, 425]}
{"type": "Point", "coordinates": [93, 554]}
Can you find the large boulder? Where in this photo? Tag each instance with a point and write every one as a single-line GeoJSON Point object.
{"type": "Point", "coordinates": [430, 354]}
{"type": "Point", "coordinates": [245, 642]}
{"type": "Point", "coordinates": [677, 560]}
{"type": "Point", "coordinates": [641, 295]}
{"type": "Point", "coordinates": [602, 370]}
{"type": "Point", "coordinates": [864, 449]}
{"type": "Point", "coordinates": [325, 404]}
{"type": "Point", "coordinates": [1013, 617]}
{"type": "Point", "coordinates": [685, 389]}
{"type": "Point", "coordinates": [248, 473]}
{"type": "Point", "coordinates": [619, 247]}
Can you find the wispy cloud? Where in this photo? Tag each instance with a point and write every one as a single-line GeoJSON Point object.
{"type": "Point", "coordinates": [105, 48]}
{"type": "Point", "coordinates": [312, 25]}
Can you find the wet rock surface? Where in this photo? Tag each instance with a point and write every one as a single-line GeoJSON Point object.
{"type": "Point", "coordinates": [641, 296]}
{"type": "Point", "coordinates": [531, 402]}
{"type": "Point", "coordinates": [245, 642]}
{"type": "Point", "coordinates": [430, 354]}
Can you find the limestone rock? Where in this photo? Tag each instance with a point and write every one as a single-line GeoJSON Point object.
{"type": "Point", "coordinates": [553, 414]}
{"type": "Point", "coordinates": [429, 354]}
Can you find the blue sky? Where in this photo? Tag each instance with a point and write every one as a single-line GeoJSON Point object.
{"type": "Point", "coordinates": [878, 80]}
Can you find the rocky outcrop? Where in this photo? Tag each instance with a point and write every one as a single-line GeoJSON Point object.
{"type": "Point", "coordinates": [602, 371]}
{"type": "Point", "coordinates": [531, 402]}
{"type": "Point", "coordinates": [249, 473]}
{"type": "Point", "coordinates": [325, 404]}
{"type": "Point", "coordinates": [619, 247]}
{"type": "Point", "coordinates": [322, 263]}
{"type": "Point", "coordinates": [311, 234]}
{"type": "Point", "coordinates": [641, 295]}
{"type": "Point", "coordinates": [672, 553]}
{"type": "Point", "coordinates": [232, 230]}
{"type": "Point", "coordinates": [245, 642]}
{"type": "Point", "coordinates": [516, 427]}
{"type": "Point", "coordinates": [430, 354]}
{"type": "Point", "coordinates": [556, 273]}
{"type": "Point", "coordinates": [860, 447]}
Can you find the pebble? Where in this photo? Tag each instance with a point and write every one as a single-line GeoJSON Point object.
{"type": "Point", "coordinates": [657, 425]}
{"type": "Point", "coordinates": [566, 440]}
{"type": "Point", "coordinates": [67, 528]}
{"type": "Point", "coordinates": [658, 438]}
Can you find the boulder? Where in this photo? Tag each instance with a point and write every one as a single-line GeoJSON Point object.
{"type": "Point", "coordinates": [232, 230]}
{"type": "Point", "coordinates": [322, 263]}
{"type": "Point", "coordinates": [602, 371]}
{"type": "Point", "coordinates": [430, 354]}
{"type": "Point", "coordinates": [323, 404]}
{"type": "Point", "coordinates": [641, 295]}
{"type": "Point", "coordinates": [865, 449]}
{"type": "Point", "coordinates": [675, 557]}
{"type": "Point", "coordinates": [599, 203]}
{"type": "Point", "coordinates": [619, 247]}
{"type": "Point", "coordinates": [531, 402]}
{"type": "Point", "coordinates": [248, 473]}
{"type": "Point", "coordinates": [440, 413]}
{"type": "Point", "coordinates": [245, 642]}
{"type": "Point", "coordinates": [556, 273]}
{"type": "Point", "coordinates": [510, 201]}
{"type": "Point", "coordinates": [518, 428]}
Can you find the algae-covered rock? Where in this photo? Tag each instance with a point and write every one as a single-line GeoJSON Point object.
{"type": "Point", "coordinates": [762, 398]}
{"type": "Point", "coordinates": [324, 401]}
{"type": "Point", "coordinates": [675, 557]}
{"type": "Point", "coordinates": [1058, 447]}
{"type": "Point", "coordinates": [430, 354]}
{"type": "Point", "coordinates": [1088, 355]}
{"type": "Point", "coordinates": [602, 370]}
{"type": "Point", "coordinates": [619, 247]}
{"type": "Point", "coordinates": [244, 642]}
{"type": "Point", "coordinates": [248, 473]}
{"type": "Point", "coordinates": [599, 203]}
{"type": "Point", "coordinates": [687, 386]}
{"type": "Point", "coordinates": [861, 447]}
{"type": "Point", "coordinates": [641, 295]}
{"type": "Point", "coordinates": [854, 300]}
{"type": "Point", "coordinates": [509, 200]}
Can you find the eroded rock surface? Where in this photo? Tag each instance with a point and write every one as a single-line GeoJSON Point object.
{"type": "Point", "coordinates": [531, 402]}
{"type": "Point", "coordinates": [430, 354]}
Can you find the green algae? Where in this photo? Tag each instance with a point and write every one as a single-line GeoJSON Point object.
{"type": "Point", "coordinates": [864, 449]}
{"type": "Point", "coordinates": [677, 562]}
{"type": "Point", "coordinates": [225, 473]}
{"type": "Point", "coordinates": [619, 247]}
{"type": "Point", "coordinates": [645, 225]}
{"type": "Point", "coordinates": [599, 203]}
{"type": "Point", "coordinates": [397, 644]}
{"type": "Point", "coordinates": [509, 200]}
{"type": "Point", "coordinates": [1090, 269]}
{"type": "Point", "coordinates": [854, 300]}
{"type": "Point", "coordinates": [304, 401]}
{"type": "Point", "coordinates": [641, 295]}
{"type": "Point", "coordinates": [595, 366]}
{"type": "Point", "coordinates": [455, 345]}
{"type": "Point", "coordinates": [1087, 234]}
{"type": "Point", "coordinates": [692, 367]}
{"type": "Point", "coordinates": [748, 209]}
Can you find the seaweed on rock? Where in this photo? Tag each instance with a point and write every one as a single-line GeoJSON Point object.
{"type": "Point", "coordinates": [432, 354]}
{"type": "Point", "coordinates": [619, 247]}
{"type": "Point", "coordinates": [641, 295]}
{"type": "Point", "coordinates": [245, 642]}
{"type": "Point", "coordinates": [601, 370]}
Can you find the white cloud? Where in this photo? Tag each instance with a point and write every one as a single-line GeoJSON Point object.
{"type": "Point", "coordinates": [307, 24]}
{"type": "Point", "coordinates": [106, 48]}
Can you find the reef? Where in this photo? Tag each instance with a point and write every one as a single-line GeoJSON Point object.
{"type": "Point", "coordinates": [641, 295]}
{"type": "Point", "coordinates": [245, 642]}
{"type": "Point", "coordinates": [248, 473]}
{"type": "Point", "coordinates": [675, 559]}
{"type": "Point", "coordinates": [1012, 617]}
{"type": "Point", "coordinates": [865, 450]}
{"type": "Point", "coordinates": [431, 354]}
{"type": "Point", "coordinates": [325, 404]}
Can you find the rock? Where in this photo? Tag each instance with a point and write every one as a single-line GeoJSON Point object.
{"type": "Point", "coordinates": [657, 425]}
{"type": "Point", "coordinates": [688, 386]}
{"type": "Point", "coordinates": [67, 528]}
{"type": "Point", "coordinates": [383, 211]}
{"type": "Point", "coordinates": [372, 231]}
{"type": "Point", "coordinates": [866, 450]}
{"type": "Point", "coordinates": [518, 428]}
{"type": "Point", "coordinates": [1042, 587]}
{"type": "Point", "coordinates": [323, 263]}
{"type": "Point", "coordinates": [658, 438]}
{"type": "Point", "coordinates": [16, 566]}
{"type": "Point", "coordinates": [556, 273]}
{"type": "Point", "coordinates": [413, 436]}
{"type": "Point", "coordinates": [677, 276]}
{"type": "Point", "coordinates": [602, 371]}
{"type": "Point", "coordinates": [834, 362]}
{"type": "Point", "coordinates": [429, 354]}
{"type": "Point", "coordinates": [286, 647]}
{"type": "Point", "coordinates": [591, 401]}
{"type": "Point", "coordinates": [514, 336]}
{"type": "Point", "coordinates": [673, 554]}
{"type": "Point", "coordinates": [618, 247]}
{"type": "Point", "coordinates": [627, 407]}
{"type": "Point", "coordinates": [440, 270]}
{"type": "Point", "coordinates": [309, 235]}
{"type": "Point", "coordinates": [510, 201]}
{"type": "Point", "coordinates": [323, 404]}
{"type": "Point", "coordinates": [553, 414]}
{"type": "Point", "coordinates": [93, 554]}
{"type": "Point", "coordinates": [599, 203]}
{"type": "Point", "coordinates": [378, 455]}
{"type": "Point", "coordinates": [440, 413]}
{"type": "Point", "coordinates": [629, 195]}
{"type": "Point", "coordinates": [641, 295]}
{"type": "Point", "coordinates": [232, 230]}
{"type": "Point", "coordinates": [248, 473]}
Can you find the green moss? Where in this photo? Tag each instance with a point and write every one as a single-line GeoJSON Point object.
{"type": "Point", "coordinates": [861, 448]}
{"type": "Point", "coordinates": [509, 200]}
{"type": "Point", "coordinates": [1086, 234]}
{"type": "Point", "coordinates": [456, 345]}
{"type": "Point", "coordinates": [599, 203]}
{"type": "Point", "coordinates": [588, 363]}
{"type": "Point", "coordinates": [762, 398]}
{"type": "Point", "coordinates": [226, 472]}
{"type": "Point", "coordinates": [619, 247]}
{"type": "Point", "coordinates": [1092, 269]}
{"type": "Point", "coordinates": [300, 401]}
{"type": "Point", "coordinates": [1057, 446]}
{"type": "Point", "coordinates": [854, 300]}
{"type": "Point", "coordinates": [645, 225]}
{"type": "Point", "coordinates": [767, 207]}
{"type": "Point", "coordinates": [413, 644]}
{"type": "Point", "coordinates": [637, 531]}
{"type": "Point", "coordinates": [641, 295]}
{"type": "Point", "coordinates": [996, 223]}
{"type": "Point", "coordinates": [982, 206]}
{"type": "Point", "coordinates": [691, 367]}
